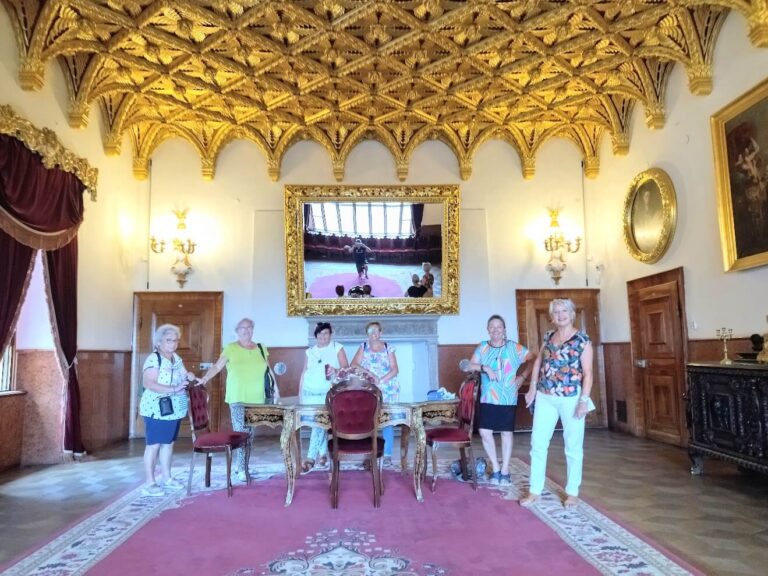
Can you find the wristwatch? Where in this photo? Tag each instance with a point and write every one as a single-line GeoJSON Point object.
{"type": "Point", "coordinates": [584, 400]}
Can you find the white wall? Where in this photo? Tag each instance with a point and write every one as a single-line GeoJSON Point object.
{"type": "Point", "coordinates": [683, 148]}
{"type": "Point", "coordinates": [238, 221]}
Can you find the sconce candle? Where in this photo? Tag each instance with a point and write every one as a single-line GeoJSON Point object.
{"type": "Point", "coordinates": [557, 246]}
{"type": "Point", "coordinates": [183, 247]}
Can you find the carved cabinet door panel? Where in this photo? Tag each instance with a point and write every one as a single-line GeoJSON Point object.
{"type": "Point", "coordinates": [658, 353]}
{"type": "Point", "coordinates": [198, 316]}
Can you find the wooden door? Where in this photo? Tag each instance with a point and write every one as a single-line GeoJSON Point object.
{"type": "Point", "coordinates": [533, 322]}
{"type": "Point", "coordinates": [198, 316]}
{"type": "Point", "coordinates": [658, 327]}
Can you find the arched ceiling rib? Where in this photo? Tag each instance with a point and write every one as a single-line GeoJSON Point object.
{"type": "Point", "coordinates": [342, 71]}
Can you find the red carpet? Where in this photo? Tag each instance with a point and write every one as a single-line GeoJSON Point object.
{"type": "Point", "coordinates": [454, 531]}
{"type": "Point", "coordinates": [381, 287]}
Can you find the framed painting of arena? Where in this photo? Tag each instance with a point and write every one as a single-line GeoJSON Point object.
{"type": "Point", "coordinates": [360, 250]}
{"type": "Point", "coordinates": [740, 139]}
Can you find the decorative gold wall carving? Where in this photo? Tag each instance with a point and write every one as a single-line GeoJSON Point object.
{"type": "Point", "coordinates": [45, 142]}
{"type": "Point", "coordinates": [342, 71]}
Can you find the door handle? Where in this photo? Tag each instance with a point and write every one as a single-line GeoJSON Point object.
{"type": "Point", "coordinates": [641, 363]}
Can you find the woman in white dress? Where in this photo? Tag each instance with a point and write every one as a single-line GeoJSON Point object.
{"type": "Point", "coordinates": [314, 385]}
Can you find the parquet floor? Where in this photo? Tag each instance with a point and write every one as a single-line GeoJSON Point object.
{"type": "Point", "coordinates": [717, 522]}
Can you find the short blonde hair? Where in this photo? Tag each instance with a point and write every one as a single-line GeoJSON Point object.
{"type": "Point", "coordinates": [162, 331]}
{"type": "Point", "coordinates": [567, 303]}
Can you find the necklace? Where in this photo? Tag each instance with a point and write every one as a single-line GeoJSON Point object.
{"type": "Point", "coordinates": [560, 339]}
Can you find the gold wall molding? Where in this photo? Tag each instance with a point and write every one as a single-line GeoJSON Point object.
{"type": "Point", "coordinates": [339, 72]}
{"type": "Point", "coordinates": [45, 142]}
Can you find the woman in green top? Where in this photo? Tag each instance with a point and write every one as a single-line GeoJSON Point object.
{"type": "Point", "coordinates": [246, 362]}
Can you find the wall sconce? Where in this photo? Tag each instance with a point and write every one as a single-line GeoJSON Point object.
{"type": "Point", "coordinates": [183, 247]}
{"type": "Point", "coordinates": [558, 247]}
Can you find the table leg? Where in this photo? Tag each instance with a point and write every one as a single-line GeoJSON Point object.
{"type": "Point", "coordinates": [419, 459]}
{"type": "Point", "coordinates": [297, 445]}
{"type": "Point", "coordinates": [405, 435]}
{"type": "Point", "coordinates": [286, 446]}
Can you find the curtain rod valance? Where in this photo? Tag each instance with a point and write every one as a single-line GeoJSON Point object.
{"type": "Point", "coordinates": [45, 142]}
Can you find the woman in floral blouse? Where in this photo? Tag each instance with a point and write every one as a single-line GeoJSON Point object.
{"type": "Point", "coordinates": [377, 359]}
{"type": "Point", "coordinates": [560, 385]}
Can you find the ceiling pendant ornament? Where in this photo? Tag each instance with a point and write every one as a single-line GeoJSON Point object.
{"type": "Point", "coordinates": [342, 71]}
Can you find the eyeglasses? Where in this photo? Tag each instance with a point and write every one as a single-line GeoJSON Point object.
{"type": "Point", "coordinates": [372, 331]}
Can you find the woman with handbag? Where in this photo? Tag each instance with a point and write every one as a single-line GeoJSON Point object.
{"type": "Point", "coordinates": [163, 406]}
{"type": "Point", "coordinates": [248, 373]}
{"type": "Point", "coordinates": [321, 361]}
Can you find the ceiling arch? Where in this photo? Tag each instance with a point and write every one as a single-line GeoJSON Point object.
{"type": "Point", "coordinates": [342, 71]}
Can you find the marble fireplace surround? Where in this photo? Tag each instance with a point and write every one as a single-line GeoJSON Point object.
{"type": "Point", "coordinates": [413, 337]}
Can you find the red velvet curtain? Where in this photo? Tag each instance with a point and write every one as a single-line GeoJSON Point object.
{"type": "Point", "coordinates": [62, 289]}
{"type": "Point", "coordinates": [42, 208]}
{"type": "Point", "coordinates": [417, 213]}
{"type": "Point", "coordinates": [16, 261]}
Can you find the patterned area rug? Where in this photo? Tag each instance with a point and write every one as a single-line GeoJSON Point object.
{"type": "Point", "coordinates": [455, 531]}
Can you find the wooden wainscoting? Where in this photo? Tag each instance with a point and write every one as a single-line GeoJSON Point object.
{"type": "Point", "coordinates": [105, 387]}
{"type": "Point", "coordinates": [619, 391]}
{"type": "Point", "coordinates": [711, 350]}
{"type": "Point", "coordinates": [11, 429]}
{"type": "Point", "coordinates": [448, 358]}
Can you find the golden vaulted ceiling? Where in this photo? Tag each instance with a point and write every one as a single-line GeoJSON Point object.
{"type": "Point", "coordinates": [342, 71]}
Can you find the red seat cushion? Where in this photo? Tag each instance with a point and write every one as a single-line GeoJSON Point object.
{"type": "Point", "coordinates": [447, 435]}
{"type": "Point", "coordinates": [215, 439]}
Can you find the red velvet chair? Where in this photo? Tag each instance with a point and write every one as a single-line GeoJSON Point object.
{"type": "Point", "coordinates": [459, 436]}
{"type": "Point", "coordinates": [206, 442]}
{"type": "Point", "coordinates": [354, 413]}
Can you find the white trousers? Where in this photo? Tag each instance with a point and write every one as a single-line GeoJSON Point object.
{"type": "Point", "coordinates": [545, 415]}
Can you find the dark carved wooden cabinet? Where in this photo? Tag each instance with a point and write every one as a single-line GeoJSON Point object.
{"type": "Point", "coordinates": [728, 414]}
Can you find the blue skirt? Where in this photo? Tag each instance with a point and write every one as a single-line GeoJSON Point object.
{"type": "Point", "coordinates": [161, 431]}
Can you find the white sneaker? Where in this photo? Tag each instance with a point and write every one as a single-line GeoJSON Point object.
{"type": "Point", "coordinates": [152, 490]}
{"type": "Point", "coordinates": [239, 476]}
{"type": "Point", "coordinates": [171, 484]}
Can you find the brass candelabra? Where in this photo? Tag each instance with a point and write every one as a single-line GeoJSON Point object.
{"type": "Point", "coordinates": [725, 334]}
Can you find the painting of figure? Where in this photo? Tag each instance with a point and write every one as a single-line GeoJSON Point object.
{"type": "Point", "coordinates": [740, 139]}
{"type": "Point", "coordinates": [647, 216]}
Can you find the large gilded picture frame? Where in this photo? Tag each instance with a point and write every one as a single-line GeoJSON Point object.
{"type": "Point", "coordinates": [650, 215]}
{"type": "Point", "coordinates": [303, 261]}
{"type": "Point", "coordinates": [740, 140]}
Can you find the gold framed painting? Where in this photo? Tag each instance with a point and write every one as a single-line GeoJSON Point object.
{"type": "Point", "coordinates": [740, 140]}
{"type": "Point", "coordinates": [362, 250]}
{"type": "Point", "coordinates": [650, 215]}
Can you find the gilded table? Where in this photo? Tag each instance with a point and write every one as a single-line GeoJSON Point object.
{"type": "Point", "coordinates": [291, 416]}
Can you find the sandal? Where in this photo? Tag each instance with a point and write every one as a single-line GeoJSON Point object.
{"type": "Point", "coordinates": [571, 502]}
{"type": "Point", "coordinates": [307, 465]}
{"type": "Point", "coordinates": [529, 500]}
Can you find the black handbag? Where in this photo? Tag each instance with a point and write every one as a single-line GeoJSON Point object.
{"type": "Point", "coordinates": [166, 405]}
{"type": "Point", "coordinates": [269, 380]}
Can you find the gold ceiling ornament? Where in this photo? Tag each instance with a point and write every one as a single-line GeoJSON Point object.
{"type": "Point", "coordinates": [45, 142]}
{"type": "Point", "coordinates": [342, 71]}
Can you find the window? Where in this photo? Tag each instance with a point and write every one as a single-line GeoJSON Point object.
{"type": "Point", "coordinates": [367, 219]}
{"type": "Point", "coordinates": [8, 368]}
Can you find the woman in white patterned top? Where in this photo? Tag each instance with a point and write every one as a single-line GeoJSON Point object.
{"type": "Point", "coordinates": [163, 405]}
